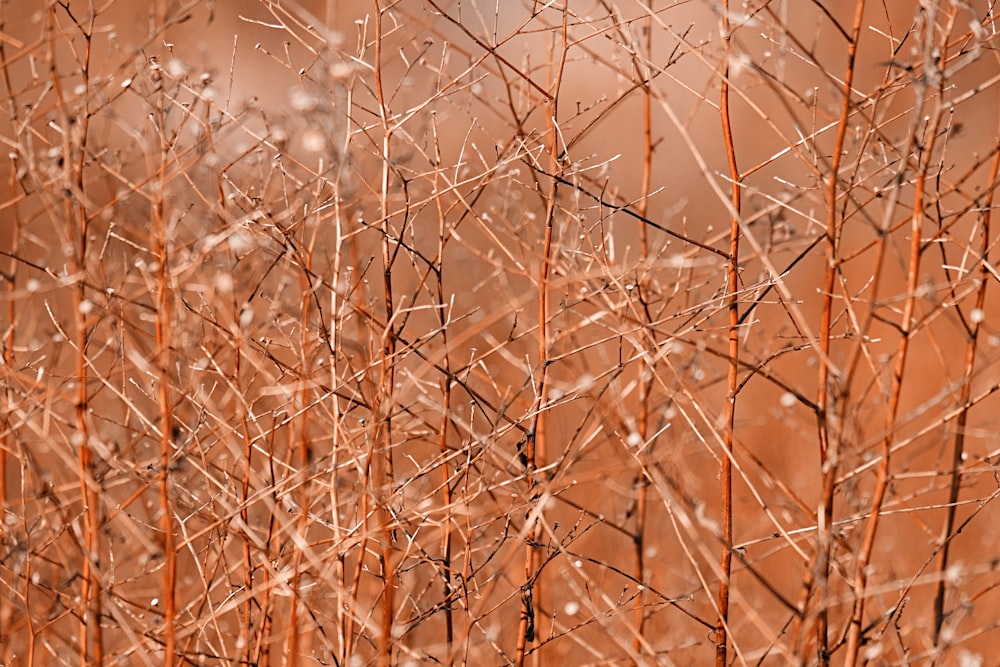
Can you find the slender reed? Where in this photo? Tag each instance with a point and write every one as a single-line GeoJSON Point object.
{"type": "Point", "coordinates": [732, 375]}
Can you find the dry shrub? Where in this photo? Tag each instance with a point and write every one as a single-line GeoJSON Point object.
{"type": "Point", "coordinates": [602, 332]}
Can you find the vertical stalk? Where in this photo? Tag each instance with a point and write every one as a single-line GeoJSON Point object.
{"type": "Point", "coordinates": [535, 445]}
{"type": "Point", "coordinates": [383, 466]}
{"type": "Point", "coordinates": [345, 618]}
{"type": "Point", "coordinates": [247, 611]}
{"type": "Point", "coordinates": [7, 440]}
{"type": "Point", "coordinates": [447, 493]}
{"type": "Point", "coordinates": [345, 627]}
{"type": "Point", "coordinates": [339, 302]}
{"type": "Point", "coordinates": [829, 439]}
{"type": "Point", "coordinates": [74, 132]}
{"type": "Point", "coordinates": [264, 644]}
{"type": "Point", "coordinates": [300, 464]}
{"type": "Point", "coordinates": [958, 449]}
{"type": "Point", "coordinates": [732, 376]}
{"type": "Point", "coordinates": [164, 342]}
{"type": "Point", "coordinates": [303, 454]}
{"type": "Point", "coordinates": [933, 67]}
{"type": "Point", "coordinates": [639, 483]}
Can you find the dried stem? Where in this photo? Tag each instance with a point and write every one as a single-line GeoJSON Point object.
{"type": "Point", "coordinates": [935, 59]}
{"type": "Point", "coordinates": [75, 132]}
{"type": "Point", "coordinates": [732, 375]}
{"type": "Point", "coordinates": [383, 456]}
{"type": "Point", "coordinates": [973, 322]}
{"type": "Point", "coordinates": [828, 421]}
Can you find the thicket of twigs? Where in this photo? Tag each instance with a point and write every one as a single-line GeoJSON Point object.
{"type": "Point", "coordinates": [600, 332]}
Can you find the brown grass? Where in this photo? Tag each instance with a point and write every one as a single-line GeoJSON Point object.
{"type": "Point", "coordinates": [517, 333]}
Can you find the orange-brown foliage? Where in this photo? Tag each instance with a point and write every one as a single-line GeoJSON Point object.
{"type": "Point", "coordinates": [403, 332]}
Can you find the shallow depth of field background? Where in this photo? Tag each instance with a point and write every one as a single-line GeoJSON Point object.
{"type": "Point", "coordinates": [398, 333]}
